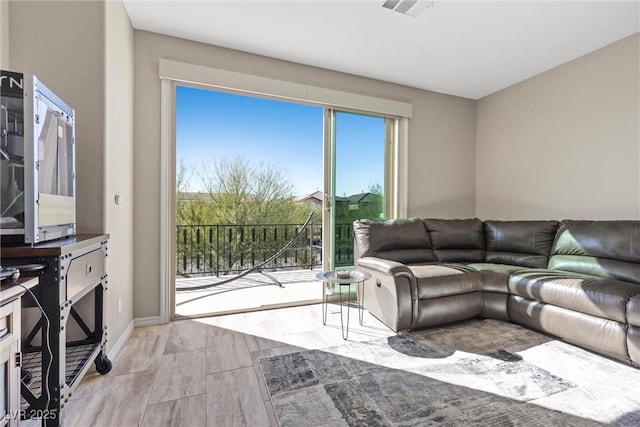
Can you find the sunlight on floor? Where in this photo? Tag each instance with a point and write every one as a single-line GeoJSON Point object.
{"type": "Point", "coordinates": [302, 326]}
{"type": "Point", "coordinates": [177, 364]}
{"type": "Point", "coordinates": [252, 292]}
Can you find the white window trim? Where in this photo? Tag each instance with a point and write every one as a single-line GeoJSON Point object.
{"type": "Point", "coordinates": [231, 80]}
{"type": "Point", "coordinates": [401, 193]}
{"type": "Point", "coordinates": [167, 181]}
{"type": "Point", "coordinates": [172, 72]}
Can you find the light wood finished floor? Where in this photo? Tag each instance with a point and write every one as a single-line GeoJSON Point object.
{"type": "Point", "coordinates": [205, 372]}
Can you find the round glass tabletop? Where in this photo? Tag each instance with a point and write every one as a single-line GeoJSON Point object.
{"type": "Point", "coordinates": [353, 277]}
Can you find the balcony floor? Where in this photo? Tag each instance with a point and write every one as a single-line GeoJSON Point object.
{"type": "Point", "coordinates": [252, 292]}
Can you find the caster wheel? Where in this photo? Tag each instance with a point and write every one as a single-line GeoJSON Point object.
{"type": "Point", "coordinates": [103, 365]}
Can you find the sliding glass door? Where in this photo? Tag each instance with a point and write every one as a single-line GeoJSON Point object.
{"type": "Point", "coordinates": [249, 171]}
{"type": "Point", "coordinates": [358, 178]}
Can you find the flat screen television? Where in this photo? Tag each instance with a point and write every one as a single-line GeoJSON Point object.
{"type": "Point", "coordinates": [37, 161]}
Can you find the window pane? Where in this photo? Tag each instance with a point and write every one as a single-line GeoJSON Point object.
{"type": "Point", "coordinates": [359, 177]}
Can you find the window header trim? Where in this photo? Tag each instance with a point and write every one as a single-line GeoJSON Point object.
{"type": "Point", "coordinates": [249, 83]}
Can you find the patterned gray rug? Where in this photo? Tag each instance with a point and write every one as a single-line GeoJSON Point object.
{"type": "Point", "coordinates": [480, 372]}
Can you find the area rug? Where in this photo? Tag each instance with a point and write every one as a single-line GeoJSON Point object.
{"type": "Point", "coordinates": [476, 373]}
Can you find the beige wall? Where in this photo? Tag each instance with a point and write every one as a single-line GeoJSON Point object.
{"type": "Point", "coordinates": [119, 165]}
{"type": "Point", "coordinates": [4, 35]}
{"type": "Point", "coordinates": [63, 44]}
{"type": "Point", "coordinates": [442, 157]}
{"type": "Point", "coordinates": [84, 52]}
{"type": "Point", "coordinates": [564, 144]}
{"type": "Point", "coordinates": [442, 128]}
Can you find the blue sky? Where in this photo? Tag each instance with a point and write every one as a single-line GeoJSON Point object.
{"type": "Point", "coordinates": [212, 126]}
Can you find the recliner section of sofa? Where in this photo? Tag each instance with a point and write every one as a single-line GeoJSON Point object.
{"type": "Point", "coordinates": [592, 277]}
{"type": "Point", "coordinates": [440, 292]}
{"type": "Point", "coordinates": [387, 249]}
{"type": "Point", "coordinates": [601, 335]}
{"type": "Point", "coordinates": [578, 280]}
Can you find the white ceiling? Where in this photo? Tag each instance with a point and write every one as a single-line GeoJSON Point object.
{"type": "Point", "coordinates": [465, 48]}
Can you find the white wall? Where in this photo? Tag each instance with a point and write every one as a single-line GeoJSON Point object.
{"type": "Point", "coordinates": [84, 52]}
{"type": "Point", "coordinates": [564, 144]}
{"type": "Point", "coordinates": [4, 35]}
{"type": "Point", "coordinates": [442, 128]}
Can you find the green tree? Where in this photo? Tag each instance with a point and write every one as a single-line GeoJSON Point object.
{"type": "Point", "coordinates": [350, 208]}
{"type": "Point", "coordinates": [241, 192]}
{"type": "Point", "coordinates": [190, 207]}
{"type": "Point", "coordinates": [241, 197]}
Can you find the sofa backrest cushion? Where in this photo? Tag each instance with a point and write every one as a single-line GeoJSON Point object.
{"type": "Point", "coordinates": [523, 243]}
{"type": "Point", "coordinates": [401, 240]}
{"type": "Point", "coordinates": [456, 240]}
{"type": "Point", "coordinates": [603, 248]}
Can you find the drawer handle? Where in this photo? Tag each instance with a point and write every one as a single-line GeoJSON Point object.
{"type": "Point", "coordinates": [88, 269]}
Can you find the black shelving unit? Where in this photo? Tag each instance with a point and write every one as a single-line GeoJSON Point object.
{"type": "Point", "coordinates": [70, 271]}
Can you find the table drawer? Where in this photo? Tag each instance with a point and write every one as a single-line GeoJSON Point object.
{"type": "Point", "coordinates": [83, 271]}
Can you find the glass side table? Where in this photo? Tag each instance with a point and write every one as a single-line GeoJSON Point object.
{"type": "Point", "coordinates": [357, 277]}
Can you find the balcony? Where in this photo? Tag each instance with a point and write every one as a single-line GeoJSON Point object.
{"type": "Point", "coordinates": [210, 255]}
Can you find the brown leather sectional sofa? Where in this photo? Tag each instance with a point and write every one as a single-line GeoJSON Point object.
{"type": "Point", "coordinates": [578, 280]}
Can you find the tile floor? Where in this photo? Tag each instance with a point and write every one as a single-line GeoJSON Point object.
{"type": "Point", "coordinates": [205, 372]}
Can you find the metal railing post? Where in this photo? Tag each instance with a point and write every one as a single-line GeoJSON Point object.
{"type": "Point", "coordinates": [217, 250]}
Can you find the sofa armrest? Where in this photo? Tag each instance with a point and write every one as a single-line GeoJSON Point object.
{"type": "Point", "coordinates": [384, 266]}
{"type": "Point", "coordinates": [390, 293]}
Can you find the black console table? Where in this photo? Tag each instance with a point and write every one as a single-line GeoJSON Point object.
{"type": "Point", "coordinates": [72, 276]}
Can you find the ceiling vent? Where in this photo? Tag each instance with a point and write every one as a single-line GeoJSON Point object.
{"type": "Point", "coordinates": [408, 7]}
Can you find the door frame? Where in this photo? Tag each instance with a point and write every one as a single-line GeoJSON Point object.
{"type": "Point", "coordinates": [392, 190]}
{"type": "Point", "coordinates": [173, 72]}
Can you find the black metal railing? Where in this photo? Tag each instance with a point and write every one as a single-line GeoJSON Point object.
{"type": "Point", "coordinates": [231, 248]}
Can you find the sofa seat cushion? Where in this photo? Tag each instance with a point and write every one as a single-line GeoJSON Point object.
{"type": "Point", "coordinates": [505, 269]}
{"type": "Point", "coordinates": [495, 276]}
{"type": "Point", "coordinates": [633, 311]}
{"type": "Point", "coordinates": [597, 296]}
{"type": "Point", "coordinates": [439, 280]}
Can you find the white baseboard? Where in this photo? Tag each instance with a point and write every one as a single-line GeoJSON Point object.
{"type": "Point", "coordinates": [117, 347]}
{"type": "Point", "coordinates": [148, 321]}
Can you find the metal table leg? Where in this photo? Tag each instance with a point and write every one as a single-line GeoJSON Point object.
{"type": "Point", "coordinates": [358, 278]}
{"type": "Point", "coordinates": [344, 335]}
{"type": "Point", "coordinates": [325, 296]}
{"type": "Point", "coordinates": [360, 296]}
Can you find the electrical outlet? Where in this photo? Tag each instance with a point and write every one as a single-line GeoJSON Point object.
{"type": "Point", "coordinates": [119, 305]}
